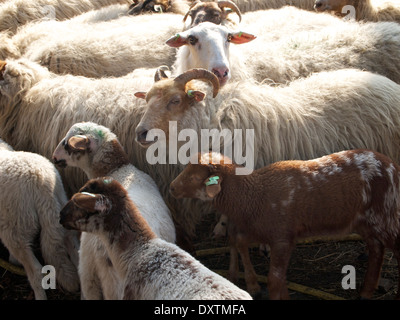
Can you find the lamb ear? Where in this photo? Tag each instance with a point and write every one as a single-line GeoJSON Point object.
{"type": "Point", "coordinates": [241, 37]}
{"type": "Point", "coordinates": [89, 201]}
{"type": "Point", "coordinates": [79, 142]}
{"type": "Point", "coordinates": [2, 69]}
{"type": "Point", "coordinates": [213, 185]}
{"type": "Point", "coordinates": [141, 95]}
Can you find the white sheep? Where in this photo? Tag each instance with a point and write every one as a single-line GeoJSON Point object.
{"type": "Point", "coordinates": [349, 191]}
{"type": "Point", "coordinates": [15, 13]}
{"type": "Point", "coordinates": [362, 10]}
{"type": "Point", "coordinates": [105, 48]}
{"type": "Point", "coordinates": [149, 267]}
{"type": "Point", "coordinates": [255, 5]}
{"type": "Point", "coordinates": [97, 151]}
{"type": "Point", "coordinates": [374, 47]}
{"type": "Point", "coordinates": [319, 115]}
{"type": "Point", "coordinates": [369, 46]}
{"type": "Point", "coordinates": [31, 198]}
{"type": "Point", "coordinates": [108, 101]}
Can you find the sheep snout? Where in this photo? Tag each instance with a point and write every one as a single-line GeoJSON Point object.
{"type": "Point", "coordinates": [320, 5]}
{"type": "Point", "coordinates": [222, 74]}
{"type": "Point", "coordinates": [62, 163]}
{"type": "Point", "coordinates": [141, 137]}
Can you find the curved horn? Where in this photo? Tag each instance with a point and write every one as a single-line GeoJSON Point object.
{"type": "Point", "coordinates": [201, 74]}
{"type": "Point", "coordinates": [190, 10]}
{"type": "Point", "coordinates": [229, 4]}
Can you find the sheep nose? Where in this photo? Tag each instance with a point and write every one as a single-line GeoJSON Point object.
{"type": "Point", "coordinates": [221, 73]}
{"type": "Point", "coordinates": [60, 163]}
{"type": "Point", "coordinates": [318, 4]}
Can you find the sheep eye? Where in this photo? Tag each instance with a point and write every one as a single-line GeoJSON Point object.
{"type": "Point", "coordinates": [173, 103]}
{"type": "Point", "coordinates": [192, 40]}
{"type": "Point", "coordinates": [229, 39]}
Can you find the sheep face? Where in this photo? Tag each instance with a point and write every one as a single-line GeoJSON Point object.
{"type": "Point", "coordinates": [80, 145]}
{"type": "Point", "coordinates": [88, 209]}
{"type": "Point", "coordinates": [166, 102]}
{"type": "Point", "coordinates": [201, 179]}
{"type": "Point", "coordinates": [330, 5]}
{"type": "Point", "coordinates": [149, 5]}
{"type": "Point", "coordinates": [191, 183]}
{"type": "Point", "coordinates": [214, 12]}
{"type": "Point", "coordinates": [170, 100]}
{"type": "Point", "coordinates": [207, 47]}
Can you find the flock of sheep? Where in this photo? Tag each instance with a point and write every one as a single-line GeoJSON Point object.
{"type": "Point", "coordinates": [83, 82]}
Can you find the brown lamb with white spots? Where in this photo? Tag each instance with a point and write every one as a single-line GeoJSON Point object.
{"type": "Point", "coordinates": [349, 191]}
{"type": "Point", "coordinates": [149, 267]}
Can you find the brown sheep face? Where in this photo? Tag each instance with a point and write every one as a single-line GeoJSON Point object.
{"type": "Point", "coordinates": [194, 182]}
{"type": "Point", "coordinates": [330, 5]}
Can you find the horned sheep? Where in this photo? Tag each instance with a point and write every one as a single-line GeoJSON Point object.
{"type": "Point", "coordinates": [371, 46]}
{"type": "Point", "coordinates": [112, 49]}
{"type": "Point", "coordinates": [149, 267]}
{"type": "Point", "coordinates": [324, 113]}
{"type": "Point", "coordinates": [361, 10]}
{"type": "Point", "coordinates": [31, 198]}
{"type": "Point", "coordinates": [356, 190]}
{"type": "Point", "coordinates": [97, 151]}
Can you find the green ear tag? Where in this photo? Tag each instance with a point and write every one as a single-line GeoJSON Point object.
{"type": "Point", "coordinates": [177, 36]}
{"type": "Point", "coordinates": [212, 180]}
{"type": "Point", "coordinates": [107, 181]}
{"type": "Point", "coordinates": [190, 93]}
{"type": "Point", "coordinates": [240, 34]}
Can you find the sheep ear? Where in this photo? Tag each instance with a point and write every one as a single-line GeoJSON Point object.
{"type": "Point", "coordinates": [241, 37]}
{"type": "Point", "coordinates": [89, 201]}
{"type": "Point", "coordinates": [160, 75]}
{"type": "Point", "coordinates": [213, 185]}
{"type": "Point", "coordinates": [197, 95]}
{"type": "Point", "coordinates": [79, 142]}
{"type": "Point", "coordinates": [2, 69]}
{"type": "Point", "coordinates": [176, 41]}
{"type": "Point", "coordinates": [141, 95]}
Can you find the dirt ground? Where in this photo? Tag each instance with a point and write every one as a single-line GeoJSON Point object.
{"type": "Point", "coordinates": [315, 266]}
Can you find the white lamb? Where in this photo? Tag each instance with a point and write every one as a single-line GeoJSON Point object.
{"type": "Point", "coordinates": [31, 198]}
{"type": "Point", "coordinates": [97, 151]}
